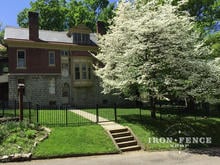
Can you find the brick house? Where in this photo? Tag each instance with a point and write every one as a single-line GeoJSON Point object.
{"type": "Point", "coordinates": [56, 67]}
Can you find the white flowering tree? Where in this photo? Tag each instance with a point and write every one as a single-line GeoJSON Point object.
{"type": "Point", "coordinates": [154, 50]}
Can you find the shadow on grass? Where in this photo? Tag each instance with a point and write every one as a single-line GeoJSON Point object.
{"type": "Point", "coordinates": [180, 111]}
{"type": "Point", "coordinates": [202, 128]}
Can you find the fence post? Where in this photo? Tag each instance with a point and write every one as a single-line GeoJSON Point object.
{"type": "Point", "coordinates": [97, 113]}
{"type": "Point", "coordinates": [140, 109]}
{"type": "Point", "coordinates": [37, 113]}
{"type": "Point", "coordinates": [115, 111]}
{"type": "Point", "coordinates": [66, 116]}
{"type": "Point", "coordinates": [29, 110]}
{"type": "Point", "coordinates": [15, 107]}
{"type": "Point", "coordinates": [3, 109]}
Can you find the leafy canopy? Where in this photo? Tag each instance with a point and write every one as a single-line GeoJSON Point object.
{"type": "Point", "coordinates": [62, 14]}
{"type": "Point", "coordinates": [154, 50]}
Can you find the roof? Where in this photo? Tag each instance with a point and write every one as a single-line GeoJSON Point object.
{"type": "Point", "coordinates": [44, 35]}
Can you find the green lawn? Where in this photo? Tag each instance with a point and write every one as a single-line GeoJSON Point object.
{"type": "Point", "coordinates": [60, 118]}
{"type": "Point", "coordinates": [79, 137]}
{"type": "Point", "coordinates": [74, 139]}
{"type": "Point", "coordinates": [147, 128]}
{"type": "Point", "coordinates": [90, 139]}
{"type": "Point", "coordinates": [81, 140]}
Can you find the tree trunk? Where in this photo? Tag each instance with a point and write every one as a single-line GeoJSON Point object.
{"type": "Point", "coordinates": [191, 105]}
{"type": "Point", "coordinates": [153, 107]}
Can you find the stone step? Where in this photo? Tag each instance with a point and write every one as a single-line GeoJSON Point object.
{"type": "Point", "coordinates": [131, 148]}
{"type": "Point", "coordinates": [121, 134]}
{"type": "Point", "coordinates": [119, 130]}
{"type": "Point", "coordinates": [127, 144]}
{"type": "Point", "coordinates": [123, 139]}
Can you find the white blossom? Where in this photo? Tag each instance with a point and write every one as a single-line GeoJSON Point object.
{"type": "Point", "coordinates": [154, 49]}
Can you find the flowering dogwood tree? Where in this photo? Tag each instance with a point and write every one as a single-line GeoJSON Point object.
{"type": "Point", "coordinates": [153, 50]}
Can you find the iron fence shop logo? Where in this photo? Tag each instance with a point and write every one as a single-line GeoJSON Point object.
{"type": "Point", "coordinates": [180, 137]}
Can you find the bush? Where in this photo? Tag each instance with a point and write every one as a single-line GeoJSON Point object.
{"type": "Point", "coordinates": [30, 134]}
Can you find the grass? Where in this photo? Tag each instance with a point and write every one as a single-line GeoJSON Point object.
{"type": "Point", "coordinates": [147, 128]}
{"type": "Point", "coordinates": [82, 140]}
{"type": "Point", "coordinates": [92, 139]}
{"type": "Point", "coordinates": [60, 118]}
{"type": "Point", "coordinates": [66, 141]}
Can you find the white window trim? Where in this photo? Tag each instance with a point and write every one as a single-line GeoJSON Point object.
{"type": "Point", "coordinates": [88, 65]}
{"type": "Point", "coordinates": [25, 65]}
{"type": "Point", "coordinates": [54, 58]}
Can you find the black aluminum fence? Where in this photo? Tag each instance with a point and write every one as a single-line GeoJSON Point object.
{"type": "Point", "coordinates": [11, 110]}
{"type": "Point", "coordinates": [73, 116]}
{"type": "Point", "coordinates": [67, 116]}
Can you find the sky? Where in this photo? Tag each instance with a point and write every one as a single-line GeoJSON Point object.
{"type": "Point", "coordinates": [9, 10]}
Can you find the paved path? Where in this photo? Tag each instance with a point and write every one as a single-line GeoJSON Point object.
{"type": "Point", "coordinates": [130, 158]}
{"type": "Point", "coordinates": [105, 123]}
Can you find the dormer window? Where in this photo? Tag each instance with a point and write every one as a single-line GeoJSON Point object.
{"type": "Point", "coordinates": [80, 38]}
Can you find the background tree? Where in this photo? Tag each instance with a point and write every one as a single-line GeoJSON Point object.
{"type": "Point", "coordinates": [61, 14]}
{"type": "Point", "coordinates": [206, 12]}
{"type": "Point", "coordinates": [1, 33]}
{"type": "Point", "coordinates": [3, 50]}
{"type": "Point", "coordinates": [154, 50]}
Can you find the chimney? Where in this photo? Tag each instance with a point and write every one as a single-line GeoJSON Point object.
{"type": "Point", "coordinates": [33, 26]}
{"type": "Point", "coordinates": [101, 27]}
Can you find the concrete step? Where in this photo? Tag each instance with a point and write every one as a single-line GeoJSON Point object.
{"type": "Point", "coordinates": [121, 134]}
{"type": "Point", "coordinates": [130, 148]}
{"type": "Point", "coordinates": [127, 144]}
{"type": "Point", "coordinates": [123, 139]}
{"type": "Point", "coordinates": [119, 130]}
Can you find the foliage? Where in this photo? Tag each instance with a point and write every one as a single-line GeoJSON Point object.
{"type": "Point", "coordinates": [61, 14]}
{"type": "Point", "coordinates": [206, 12]}
{"type": "Point", "coordinates": [155, 49]}
{"type": "Point", "coordinates": [17, 137]}
{"type": "Point", "coordinates": [1, 33]}
{"type": "Point", "coordinates": [214, 41]}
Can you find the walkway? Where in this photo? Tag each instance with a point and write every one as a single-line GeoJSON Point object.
{"type": "Point", "coordinates": [105, 123]}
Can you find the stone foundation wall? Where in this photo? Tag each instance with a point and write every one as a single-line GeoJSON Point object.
{"type": "Point", "coordinates": [37, 92]}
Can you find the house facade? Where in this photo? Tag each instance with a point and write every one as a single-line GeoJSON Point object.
{"type": "Point", "coordinates": [55, 67]}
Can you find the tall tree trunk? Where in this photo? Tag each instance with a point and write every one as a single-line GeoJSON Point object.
{"type": "Point", "coordinates": [153, 107]}
{"type": "Point", "coordinates": [191, 105]}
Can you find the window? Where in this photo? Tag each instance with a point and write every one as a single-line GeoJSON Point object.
{"type": "Point", "coordinates": [51, 58]}
{"type": "Point", "coordinates": [89, 72]}
{"type": "Point", "coordinates": [84, 74]}
{"type": "Point", "coordinates": [77, 72]}
{"type": "Point", "coordinates": [65, 70]}
{"type": "Point", "coordinates": [83, 71]}
{"type": "Point", "coordinates": [21, 59]}
{"type": "Point", "coordinates": [79, 38]}
{"type": "Point", "coordinates": [64, 52]}
{"type": "Point", "coordinates": [52, 86]}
